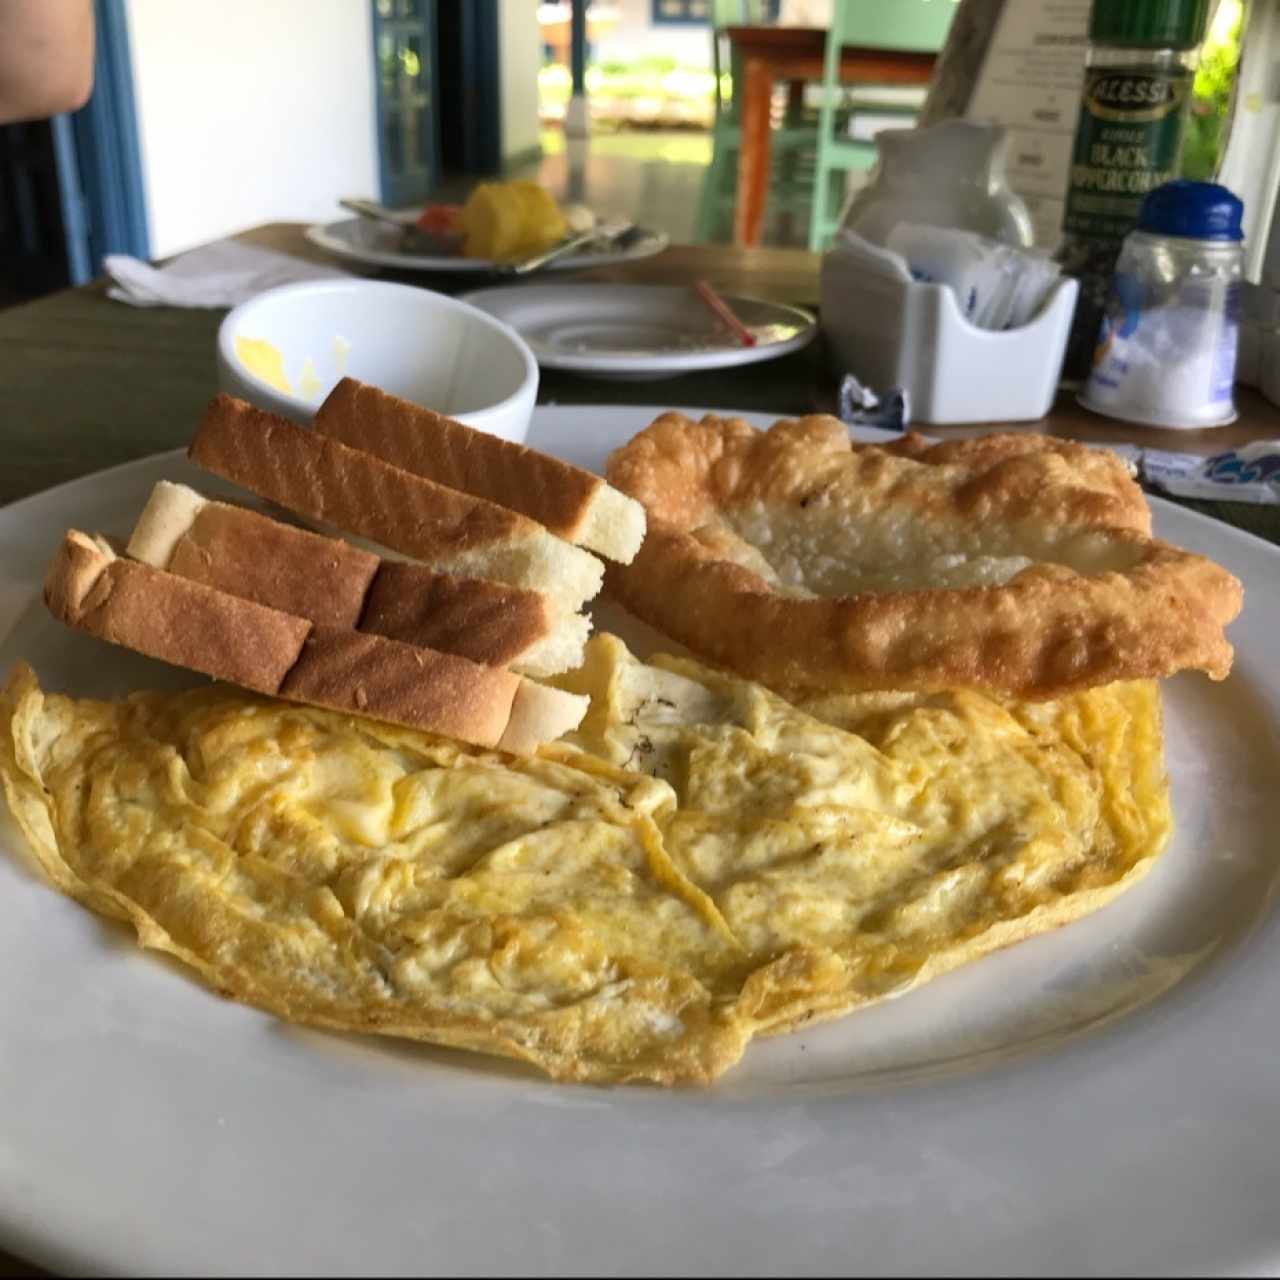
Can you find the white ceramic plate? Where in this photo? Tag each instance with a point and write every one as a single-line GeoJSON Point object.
{"type": "Point", "coordinates": [1100, 1100]}
{"type": "Point", "coordinates": [631, 331]}
{"type": "Point", "coordinates": [376, 244]}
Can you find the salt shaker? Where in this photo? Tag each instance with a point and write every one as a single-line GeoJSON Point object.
{"type": "Point", "coordinates": [1166, 350]}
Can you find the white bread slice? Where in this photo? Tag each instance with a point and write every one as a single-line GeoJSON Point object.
{"type": "Point", "coordinates": [88, 587]}
{"type": "Point", "coordinates": [218, 634]}
{"type": "Point", "coordinates": [358, 493]}
{"type": "Point", "coordinates": [572, 503]}
{"type": "Point", "coordinates": [541, 714]}
{"type": "Point", "coordinates": [331, 583]}
{"type": "Point", "coordinates": [170, 512]}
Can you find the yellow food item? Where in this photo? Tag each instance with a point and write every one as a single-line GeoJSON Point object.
{"type": "Point", "coordinates": [505, 220]}
{"type": "Point", "coordinates": [264, 360]}
{"type": "Point", "coordinates": [708, 863]}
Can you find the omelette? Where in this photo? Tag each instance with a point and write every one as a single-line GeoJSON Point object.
{"type": "Point", "coordinates": [702, 862]}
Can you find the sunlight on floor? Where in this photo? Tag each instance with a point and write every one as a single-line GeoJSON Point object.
{"type": "Point", "coordinates": [690, 146]}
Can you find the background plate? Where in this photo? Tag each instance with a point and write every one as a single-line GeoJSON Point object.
{"type": "Point", "coordinates": [1099, 1100]}
{"type": "Point", "coordinates": [374, 244]}
{"type": "Point", "coordinates": [632, 331]}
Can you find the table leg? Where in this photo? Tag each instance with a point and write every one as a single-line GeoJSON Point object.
{"type": "Point", "coordinates": [795, 101]}
{"type": "Point", "coordinates": [753, 156]}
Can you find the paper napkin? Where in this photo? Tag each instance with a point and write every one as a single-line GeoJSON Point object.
{"type": "Point", "coordinates": [221, 274]}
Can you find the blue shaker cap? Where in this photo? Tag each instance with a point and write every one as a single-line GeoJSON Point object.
{"type": "Point", "coordinates": [1195, 210]}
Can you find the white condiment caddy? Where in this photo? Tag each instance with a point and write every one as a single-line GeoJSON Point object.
{"type": "Point", "coordinates": [890, 330]}
{"type": "Point", "coordinates": [931, 188]}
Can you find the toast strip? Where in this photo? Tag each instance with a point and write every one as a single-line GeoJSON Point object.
{"type": "Point", "coordinates": [572, 503]}
{"type": "Point", "coordinates": [191, 625]}
{"type": "Point", "coordinates": [252, 556]}
{"type": "Point", "coordinates": [126, 603]}
{"type": "Point", "coordinates": [354, 491]}
{"type": "Point", "coordinates": [372, 676]}
{"type": "Point", "coordinates": [487, 622]}
{"type": "Point", "coordinates": [331, 583]}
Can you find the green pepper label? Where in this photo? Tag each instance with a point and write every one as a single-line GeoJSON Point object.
{"type": "Point", "coordinates": [1127, 143]}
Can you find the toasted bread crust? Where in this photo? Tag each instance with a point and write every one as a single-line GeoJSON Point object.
{"type": "Point", "coordinates": [169, 618]}
{"type": "Point", "coordinates": [350, 488]}
{"type": "Point", "coordinates": [1148, 610]}
{"type": "Point", "coordinates": [353, 492]}
{"type": "Point", "coordinates": [406, 435]}
{"type": "Point", "coordinates": [331, 583]}
{"type": "Point", "coordinates": [196, 626]}
{"type": "Point", "coordinates": [248, 554]}
{"type": "Point", "coordinates": [485, 621]}
{"type": "Point", "coordinates": [373, 676]}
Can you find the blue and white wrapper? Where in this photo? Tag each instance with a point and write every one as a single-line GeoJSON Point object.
{"type": "Point", "coordinates": [1250, 473]}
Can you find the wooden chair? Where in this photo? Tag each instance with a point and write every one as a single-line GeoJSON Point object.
{"type": "Point", "coordinates": [794, 142]}
{"type": "Point", "coordinates": [913, 25]}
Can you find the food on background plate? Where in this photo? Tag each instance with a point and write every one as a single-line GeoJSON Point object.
{"type": "Point", "coordinates": [499, 208]}
{"type": "Point", "coordinates": [439, 220]}
{"type": "Point", "coordinates": [1012, 563]}
{"type": "Point", "coordinates": [502, 221]}
{"type": "Point", "coordinates": [711, 864]}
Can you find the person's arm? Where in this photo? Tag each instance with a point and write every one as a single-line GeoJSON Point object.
{"type": "Point", "coordinates": [46, 57]}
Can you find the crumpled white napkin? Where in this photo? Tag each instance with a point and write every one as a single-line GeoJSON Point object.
{"type": "Point", "coordinates": [220, 274]}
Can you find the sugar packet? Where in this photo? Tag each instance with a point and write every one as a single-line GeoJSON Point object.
{"type": "Point", "coordinates": [996, 285]}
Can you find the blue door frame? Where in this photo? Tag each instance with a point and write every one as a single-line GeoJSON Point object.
{"type": "Point", "coordinates": [99, 160]}
{"type": "Point", "coordinates": [405, 97]}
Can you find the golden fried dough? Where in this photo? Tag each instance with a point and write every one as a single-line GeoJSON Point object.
{"type": "Point", "coordinates": [1011, 563]}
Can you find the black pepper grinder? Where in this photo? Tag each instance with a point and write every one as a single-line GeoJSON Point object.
{"type": "Point", "coordinates": [1140, 64]}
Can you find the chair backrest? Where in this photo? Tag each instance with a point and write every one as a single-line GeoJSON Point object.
{"type": "Point", "coordinates": [916, 25]}
{"type": "Point", "coordinates": [735, 13]}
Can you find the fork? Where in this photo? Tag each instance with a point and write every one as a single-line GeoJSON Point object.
{"type": "Point", "coordinates": [608, 232]}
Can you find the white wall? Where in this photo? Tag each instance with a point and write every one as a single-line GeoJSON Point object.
{"type": "Point", "coordinates": [519, 57]}
{"type": "Point", "coordinates": [251, 111]}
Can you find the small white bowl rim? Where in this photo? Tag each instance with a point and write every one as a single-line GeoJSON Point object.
{"type": "Point", "coordinates": [357, 284]}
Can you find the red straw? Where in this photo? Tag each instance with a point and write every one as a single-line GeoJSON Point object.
{"type": "Point", "coordinates": [717, 306]}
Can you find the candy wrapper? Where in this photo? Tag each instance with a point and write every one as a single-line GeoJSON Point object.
{"type": "Point", "coordinates": [860, 406]}
{"type": "Point", "coordinates": [1250, 473]}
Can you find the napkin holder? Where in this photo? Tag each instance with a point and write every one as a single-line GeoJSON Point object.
{"type": "Point", "coordinates": [891, 331]}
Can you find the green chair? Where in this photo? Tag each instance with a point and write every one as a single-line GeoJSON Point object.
{"type": "Point", "coordinates": [788, 182]}
{"type": "Point", "coordinates": [912, 25]}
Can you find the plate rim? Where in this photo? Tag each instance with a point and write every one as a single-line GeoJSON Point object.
{"type": "Point", "coordinates": [320, 234]}
{"type": "Point", "coordinates": [1248, 969]}
{"type": "Point", "coordinates": [639, 362]}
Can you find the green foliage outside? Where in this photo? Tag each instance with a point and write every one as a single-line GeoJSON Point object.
{"type": "Point", "coordinates": [658, 85]}
{"type": "Point", "coordinates": [1204, 139]}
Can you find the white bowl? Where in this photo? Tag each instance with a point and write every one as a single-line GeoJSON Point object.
{"type": "Point", "coordinates": [422, 346]}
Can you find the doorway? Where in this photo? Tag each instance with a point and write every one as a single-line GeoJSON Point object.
{"type": "Point", "coordinates": [71, 188]}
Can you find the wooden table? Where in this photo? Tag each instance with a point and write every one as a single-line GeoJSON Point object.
{"type": "Point", "coordinates": [89, 383]}
{"type": "Point", "coordinates": [795, 54]}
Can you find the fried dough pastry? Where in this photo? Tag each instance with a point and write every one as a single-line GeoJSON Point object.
{"type": "Point", "coordinates": [1011, 563]}
{"type": "Point", "coordinates": [709, 865]}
